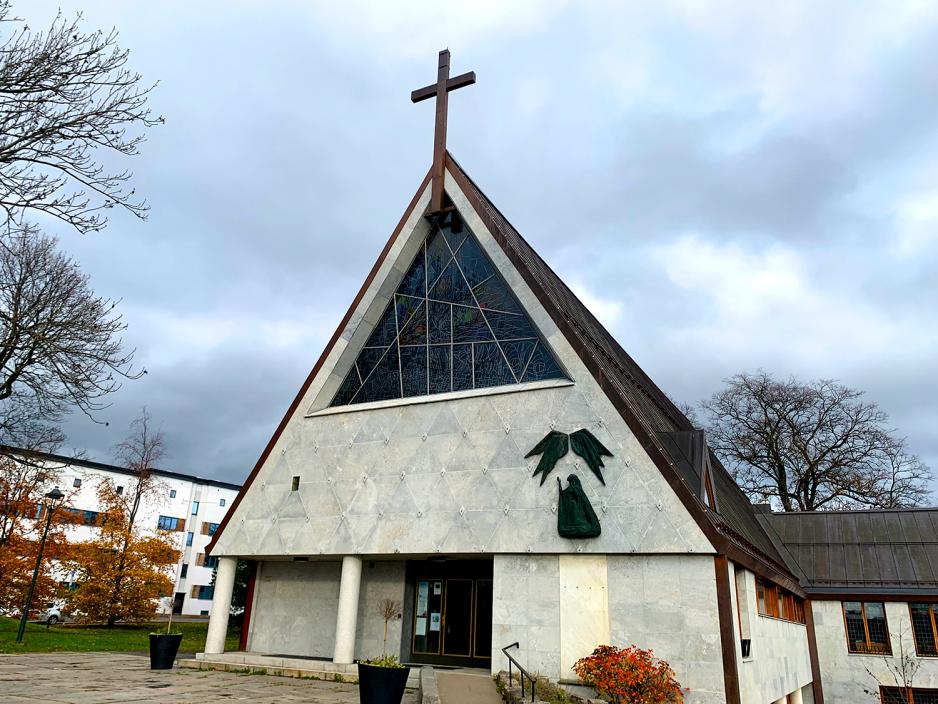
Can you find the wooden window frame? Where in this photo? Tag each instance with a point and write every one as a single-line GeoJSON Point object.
{"type": "Point", "coordinates": [934, 627]}
{"type": "Point", "coordinates": [866, 629]}
{"type": "Point", "coordinates": [909, 692]}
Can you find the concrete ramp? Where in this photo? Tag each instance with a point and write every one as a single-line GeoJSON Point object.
{"type": "Point", "coordinates": [466, 687]}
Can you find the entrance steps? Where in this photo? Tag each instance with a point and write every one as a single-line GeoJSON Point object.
{"type": "Point", "coordinates": [260, 664]}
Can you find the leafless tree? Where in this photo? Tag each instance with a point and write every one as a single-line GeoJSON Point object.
{"type": "Point", "coordinates": [812, 445]}
{"type": "Point", "coordinates": [60, 345]}
{"type": "Point", "coordinates": [66, 98]}
{"type": "Point", "coordinates": [139, 452]}
{"type": "Point", "coordinates": [902, 668]}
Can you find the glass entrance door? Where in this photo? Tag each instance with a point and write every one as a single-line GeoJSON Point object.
{"type": "Point", "coordinates": [453, 617]}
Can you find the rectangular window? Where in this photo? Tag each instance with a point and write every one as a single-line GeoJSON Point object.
{"type": "Point", "coordinates": [172, 493]}
{"type": "Point", "coordinates": [221, 502]}
{"type": "Point", "coordinates": [865, 623]}
{"type": "Point", "coordinates": [900, 695]}
{"type": "Point", "coordinates": [924, 629]}
{"type": "Point", "coordinates": [210, 561]}
{"type": "Point", "coordinates": [170, 523]}
{"type": "Point", "coordinates": [77, 483]}
{"type": "Point", "coordinates": [205, 591]}
{"type": "Point", "coordinates": [209, 528]}
{"type": "Point", "coordinates": [195, 508]}
{"type": "Point", "coordinates": [776, 602]}
{"type": "Point", "coordinates": [185, 570]}
{"type": "Point", "coordinates": [189, 539]}
{"type": "Point", "coordinates": [120, 490]}
{"type": "Point", "coordinates": [296, 483]}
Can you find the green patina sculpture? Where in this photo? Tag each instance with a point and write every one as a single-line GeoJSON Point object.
{"type": "Point", "coordinates": [555, 445]}
{"type": "Point", "coordinates": [575, 516]}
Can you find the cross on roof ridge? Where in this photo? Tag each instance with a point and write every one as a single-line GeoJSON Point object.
{"type": "Point", "coordinates": [440, 90]}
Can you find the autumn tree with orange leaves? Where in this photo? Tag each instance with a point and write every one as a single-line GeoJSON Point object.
{"type": "Point", "coordinates": [124, 570]}
{"type": "Point", "coordinates": [23, 482]}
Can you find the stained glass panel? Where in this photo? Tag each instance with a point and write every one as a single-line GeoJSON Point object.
{"type": "Point", "coordinates": [453, 325]}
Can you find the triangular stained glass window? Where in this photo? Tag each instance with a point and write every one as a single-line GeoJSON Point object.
{"type": "Point", "coordinates": [453, 325]}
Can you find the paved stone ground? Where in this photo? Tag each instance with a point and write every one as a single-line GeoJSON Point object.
{"type": "Point", "coordinates": [106, 678]}
{"type": "Point", "coordinates": [466, 688]}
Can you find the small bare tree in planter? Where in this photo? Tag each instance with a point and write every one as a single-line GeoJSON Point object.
{"type": "Point", "coordinates": [383, 680]}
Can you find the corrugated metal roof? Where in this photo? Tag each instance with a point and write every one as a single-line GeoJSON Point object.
{"type": "Point", "coordinates": [873, 550]}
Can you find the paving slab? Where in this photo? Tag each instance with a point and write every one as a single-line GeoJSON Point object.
{"type": "Point", "coordinates": [466, 688]}
{"type": "Point", "coordinates": [114, 678]}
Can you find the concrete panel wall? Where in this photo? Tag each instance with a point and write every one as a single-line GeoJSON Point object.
{"type": "Point", "coordinates": [295, 610]}
{"type": "Point", "coordinates": [380, 581]}
{"type": "Point", "coordinates": [779, 663]}
{"type": "Point", "coordinates": [584, 608]}
{"type": "Point", "coordinates": [844, 675]}
{"type": "Point", "coordinates": [526, 609]}
{"type": "Point", "coordinates": [667, 603]}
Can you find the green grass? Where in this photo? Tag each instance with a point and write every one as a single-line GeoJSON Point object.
{"type": "Point", "coordinates": [39, 639]}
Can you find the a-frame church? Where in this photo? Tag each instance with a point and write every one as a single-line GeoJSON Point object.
{"type": "Point", "coordinates": [474, 444]}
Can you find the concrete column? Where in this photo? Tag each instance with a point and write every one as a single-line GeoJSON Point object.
{"type": "Point", "coordinates": [347, 616]}
{"type": "Point", "coordinates": [221, 603]}
{"type": "Point", "coordinates": [795, 697]}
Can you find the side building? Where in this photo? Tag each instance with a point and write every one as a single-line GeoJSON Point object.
{"type": "Point", "coordinates": [189, 505]}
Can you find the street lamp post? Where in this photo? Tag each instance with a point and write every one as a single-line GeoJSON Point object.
{"type": "Point", "coordinates": [54, 497]}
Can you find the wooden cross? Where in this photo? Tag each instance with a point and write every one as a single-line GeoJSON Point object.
{"type": "Point", "coordinates": [444, 84]}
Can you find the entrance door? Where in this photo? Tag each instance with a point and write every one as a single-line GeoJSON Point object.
{"type": "Point", "coordinates": [450, 614]}
{"type": "Point", "coordinates": [177, 602]}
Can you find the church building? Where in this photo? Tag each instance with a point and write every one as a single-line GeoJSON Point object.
{"type": "Point", "coordinates": [474, 444]}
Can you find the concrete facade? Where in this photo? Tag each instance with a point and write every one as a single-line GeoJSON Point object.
{"type": "Point", "coordinates": [846, 675]}
{"type": "Point", "coordinates": [779, 661]}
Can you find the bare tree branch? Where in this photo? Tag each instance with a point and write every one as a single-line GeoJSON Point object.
{"type": "Point", "coordinates": [812, 445]}
{"type": "Point", "coordinates": [59, 343]}
{"type": "Point", "coordinates": [66, 97]}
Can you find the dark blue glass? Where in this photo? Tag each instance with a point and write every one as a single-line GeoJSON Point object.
{"type": "Point", "coordinates": [438, 256]}
{"type": "Point", "coordinates": [384, 382]}
{"type": "Point", "coordinates": [415, 331]}
{"type": "Point", "coordinates": [542, 366]}
{"type": "Point", "coordinates": [414, 282]}
{"type": "Point", "coordinates": [474, 264]}
{"type": "Point", "coordinates": [414, 370]}
{"type": "Point", "coordinates": [518, 354]}
{"type": "Point", "coordinates": [510, 327]}
{"type": "Point", "coordinates": [406, 307]}
{"type": "Point", "coordinates": [385, 331]}
{"type": "Point", "coordinates": [367, 360]}
{"type": "Point", "coordinates": [493, 294]}
{"type": "Point", "coordinates": [469, 325]}
{"type": "Point", "coordinates": [439, 369]}
{"type": "Point", "coordinates": [451, 287]}
{"type": "Point", "coordinates": [462, 367]}
{"type": "Point", "coordinates": [490, 366]}
{"type": "Point", "coordinates": [439, 323]}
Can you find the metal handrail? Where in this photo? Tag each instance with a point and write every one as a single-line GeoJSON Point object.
{"type": "Point", "coordinates": [524, 673]}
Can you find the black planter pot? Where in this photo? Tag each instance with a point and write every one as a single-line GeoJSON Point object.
{"type": "Point", "coordinates": [381, 685]}
{"type": "Point", "coordinates": [163, 649]}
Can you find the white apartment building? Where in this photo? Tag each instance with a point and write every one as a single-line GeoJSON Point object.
{"type": "Point", "coordinates": [189, 505]}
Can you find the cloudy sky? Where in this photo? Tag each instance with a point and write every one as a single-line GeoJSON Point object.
{"type": "Point", "coordinates": [728, 187]}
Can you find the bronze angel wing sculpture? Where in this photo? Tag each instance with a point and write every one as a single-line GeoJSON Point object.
{"type": "Point", "coordinates": [555, 444]}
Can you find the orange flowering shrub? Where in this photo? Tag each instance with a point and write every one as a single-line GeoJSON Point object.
{"type": "Point", "coordinates": [629, 676]}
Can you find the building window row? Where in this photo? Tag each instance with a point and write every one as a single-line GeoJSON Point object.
{"type": "Point", "coordinates": [209, 528]}
{"type": "Point", "coordinates": [775, 602]}
{"type": "Point", "coordinates": [203, 560]}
